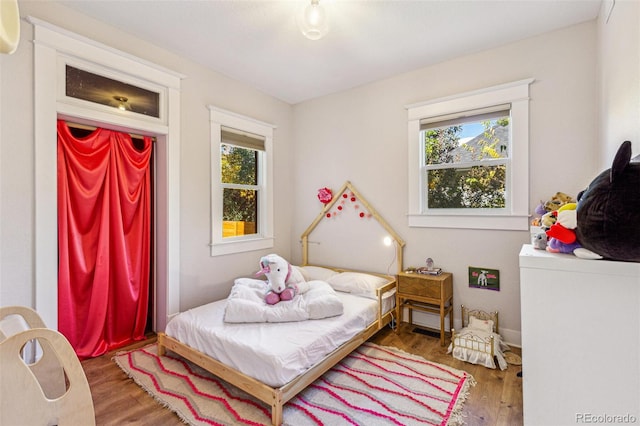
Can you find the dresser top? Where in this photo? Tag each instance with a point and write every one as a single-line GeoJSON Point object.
{"type": "Point", "coordinates": [542, 259]}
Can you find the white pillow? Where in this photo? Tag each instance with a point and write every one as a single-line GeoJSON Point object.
{"type": "Point", "coordinates": [357, 283]}
{"type": "Point", "coordinates": [311, 273]}
{"type": "Point", "coordinates": [480, 324]}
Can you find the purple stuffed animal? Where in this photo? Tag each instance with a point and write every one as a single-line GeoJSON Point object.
{"type": "Point", "coordinates": [554, 245]}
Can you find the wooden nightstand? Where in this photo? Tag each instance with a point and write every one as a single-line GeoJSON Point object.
{"type": "Point", "coordinates": [427, 293]}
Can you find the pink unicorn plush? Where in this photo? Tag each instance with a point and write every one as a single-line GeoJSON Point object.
{"type": "Point", "coordinates": [284, 281]}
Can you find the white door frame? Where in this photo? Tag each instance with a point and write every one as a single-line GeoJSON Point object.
{"type": "Point", "coordinates": [53, 47]}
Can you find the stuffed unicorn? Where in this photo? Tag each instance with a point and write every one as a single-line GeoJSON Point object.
{"type": "Point", "coordinates": [284, 281]}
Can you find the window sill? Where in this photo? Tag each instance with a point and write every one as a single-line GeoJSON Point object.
{"type": "Point", "coordinates": [224, 248]}
{"type": "Point", "coordinates": [505, 223]}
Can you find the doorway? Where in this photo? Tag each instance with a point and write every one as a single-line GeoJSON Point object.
{"type": "Point", "coordinates": [105, 222]}
{"type": "Point", "coordinates": [54, 48]}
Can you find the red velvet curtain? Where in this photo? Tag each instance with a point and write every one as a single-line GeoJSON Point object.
{"type": "Point", "coordinates": [103, 239]}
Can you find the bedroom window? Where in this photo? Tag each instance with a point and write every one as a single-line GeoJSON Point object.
{"type": "Point", "coordinates": [241, 201]}
{"type": "Point", "coordinates": [468, 160]}
{"type": "Point", "coordinates": [240, 163]}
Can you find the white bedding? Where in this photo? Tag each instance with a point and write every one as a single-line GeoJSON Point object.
{"type": "Point", "coordinates": [246, 303]}
{"type": "Point", "coordinates": [273, 353]}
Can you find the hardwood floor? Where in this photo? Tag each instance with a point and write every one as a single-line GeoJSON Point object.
{"type": "Point", "coordinates": [495, 400]}
{"type": "Point", "coordinates": [117, 400]}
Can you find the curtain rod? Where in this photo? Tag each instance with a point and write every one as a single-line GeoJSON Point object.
{"type": "Point", "coordinates": [92, 128]}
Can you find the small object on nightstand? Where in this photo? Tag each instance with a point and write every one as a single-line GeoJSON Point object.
{"type": "Point", "coordinates": [426, 271]}
{"type": "Point", "coordinates": [429, 262]}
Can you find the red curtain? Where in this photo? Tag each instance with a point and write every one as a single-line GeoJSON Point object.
{"type": "Point", "coordinates": [103, 239]}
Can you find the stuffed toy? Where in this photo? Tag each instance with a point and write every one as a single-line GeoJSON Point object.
{"type": "Point", "coordinates": [608, 211]}
{"type": "Point", "coordinates": [284, 281]}
{"type": "Point", "coordinates": [557, 201]}
{"type": "Point", "coordinates": [564, 227]}
{"type": "Point", "coordinates": [556, 246]}
{"type": "Point", "coordinates": [546, 209]}
{"type": "Point", "coordinates": [562, 235]}
{"type": "Point", "coordinates": [548, 220]}
{"type": "Point", "coordinates": [539, 241]}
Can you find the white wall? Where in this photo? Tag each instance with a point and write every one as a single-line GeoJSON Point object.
{"type": "Point", "coordinates": [16, 175]}
{"type": "Point", "coordinates": [361, 135]}
{"type": "Point", "coordinates": [203, 278]}
{"type": "Point", "coordinates": [619, 70]}
{"type": "Point", "coordinates": [357, 135]}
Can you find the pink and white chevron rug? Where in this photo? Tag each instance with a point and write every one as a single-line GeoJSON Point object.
{"type": "Point", "coordinates": [374, 385]}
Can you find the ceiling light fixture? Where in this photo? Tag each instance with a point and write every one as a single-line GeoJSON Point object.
{"type": "Point", "coordinates": [122, 103]}
{"type": "Point", "coordinates": [313, 21]}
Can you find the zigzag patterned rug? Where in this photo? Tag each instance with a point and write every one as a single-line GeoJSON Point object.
{"type": "Point", "coordinates": [374, 385]}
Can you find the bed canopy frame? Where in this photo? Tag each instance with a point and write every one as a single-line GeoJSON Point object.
{"type": "Point", "coordinates": [348, 186]}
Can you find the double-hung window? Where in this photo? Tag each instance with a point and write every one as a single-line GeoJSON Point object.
{"type": "Point", "coordinates": [468, 160]}
{"type": "Point", "coordinates": [241, 199]}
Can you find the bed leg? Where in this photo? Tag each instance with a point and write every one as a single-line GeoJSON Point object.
{"type": "Point", "coordinates": [162, 350]}
{"type": "Point", "coordinates": [276, 413]}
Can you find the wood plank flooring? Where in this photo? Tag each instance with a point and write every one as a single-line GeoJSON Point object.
{"type": "Point", "coordinates": [495, 400]}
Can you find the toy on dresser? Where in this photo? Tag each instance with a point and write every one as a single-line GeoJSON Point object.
{"type": "Point", "coordinates": [603, 223]}
{"type": "Point", "coordinates": [555, 223]}
{"type": "Point", "coordinates": [608, 211]}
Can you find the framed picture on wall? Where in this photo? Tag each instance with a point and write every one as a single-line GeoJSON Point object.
{"type": "Point", "coordinates": [485, 278]}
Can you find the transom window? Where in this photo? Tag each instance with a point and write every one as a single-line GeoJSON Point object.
{"type": "Point", "coordinates": [468, 159]}
{"type": "Point", "coordinates": [92, 87]}
{"type": "Point", "coordinates": [242, 183]}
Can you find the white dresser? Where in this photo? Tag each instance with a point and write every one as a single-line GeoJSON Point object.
{"type": "Point", "coordinates": [580, 339]}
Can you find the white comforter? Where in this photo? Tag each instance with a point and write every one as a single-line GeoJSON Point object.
{"type": "Point", "coordinates": [274, 353]}
{"type": "Point", "coordinates": [246, 303]}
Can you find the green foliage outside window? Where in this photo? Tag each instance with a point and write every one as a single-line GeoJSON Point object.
{"type": "Point", "coordinates": [466, 182]}
{"type": "Point", "coordinates": [239, 167]}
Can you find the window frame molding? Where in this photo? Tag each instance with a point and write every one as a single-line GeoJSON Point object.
{"type": "Point", "coordinates": [516, 215]}
{"type": "Point", "coordinates": [264, 238]}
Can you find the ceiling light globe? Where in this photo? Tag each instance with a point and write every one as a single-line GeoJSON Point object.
{"type": "Point", "coordinates": [313, 21]}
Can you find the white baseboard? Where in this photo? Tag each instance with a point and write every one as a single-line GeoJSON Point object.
{"type": "Point", "coordinates": [510, 337]}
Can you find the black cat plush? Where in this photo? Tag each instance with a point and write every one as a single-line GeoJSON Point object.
{"type": "Point", "coordinates": [608, 211]}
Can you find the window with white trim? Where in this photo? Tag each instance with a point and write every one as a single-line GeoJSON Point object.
{"type": "Point", "coordinates": [241, 198]}
{"type": "Point", "coordinates": [468, 159]}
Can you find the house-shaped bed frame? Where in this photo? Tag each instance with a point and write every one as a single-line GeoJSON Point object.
{"type": "Point", "coordinates": [347, 186]}
{"type": "Point", "coordinates": [276, 397]}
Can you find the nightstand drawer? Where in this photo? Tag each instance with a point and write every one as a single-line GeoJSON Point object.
{"type": "Point", "coordinates": [419, 286]}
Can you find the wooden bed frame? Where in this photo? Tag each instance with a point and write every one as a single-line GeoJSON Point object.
{"type": "Point", "coordinates": [277, 397]}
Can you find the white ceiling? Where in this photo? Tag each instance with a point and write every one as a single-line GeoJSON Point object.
{"type": "Point", "coordinates": [258, 42]}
